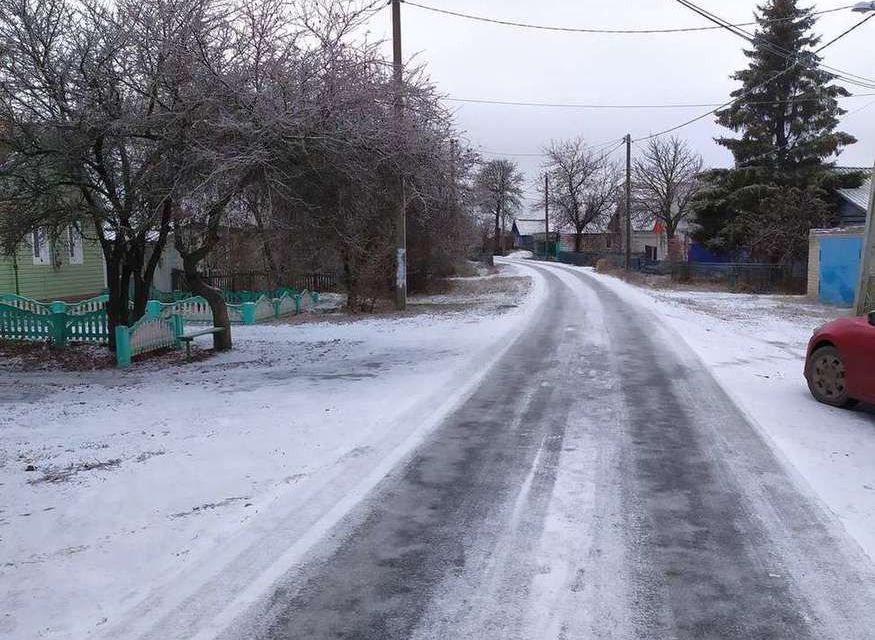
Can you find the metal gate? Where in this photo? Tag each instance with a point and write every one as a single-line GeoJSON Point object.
{"type": "Point", "coordinates": [839, 269]}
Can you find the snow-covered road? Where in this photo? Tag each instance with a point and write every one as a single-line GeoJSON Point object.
{"type": "Point", "coordinates": [599, 483]}
{"type": "Point", "coordinates": [163, 499]}
{"type": "Point", "coordinates": [601, 462]}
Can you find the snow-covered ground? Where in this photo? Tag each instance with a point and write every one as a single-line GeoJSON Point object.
{"type": "Point", "coordinates": [115, 485]}
{"type": "Point", "coordinates": [755, 346]}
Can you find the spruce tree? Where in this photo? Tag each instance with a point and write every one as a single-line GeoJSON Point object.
{"type": "Point", "coordinates": [786, 112]}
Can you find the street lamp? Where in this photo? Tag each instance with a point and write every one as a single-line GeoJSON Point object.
{"type": "Point", "coordinates": [864, 7]}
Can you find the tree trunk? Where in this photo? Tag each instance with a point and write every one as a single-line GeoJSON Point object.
{"type": "Point", "coordinates": [496, 250]}
{"type": "Point", "coordinates": [213, 296]}
{"type": "Point", "coordinates": [351, 282]}
{"type": "Point", "coordinates": [272, 268]}
{"type": "Point", "coordinates": [116, 312]}
{"type": "Point", "coordinates": [578, 241]}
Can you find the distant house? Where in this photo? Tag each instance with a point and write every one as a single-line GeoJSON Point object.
{"type": "Point", "coordinates": [524, 231]}
{"type": "Point", "coordinates": [66, 266]}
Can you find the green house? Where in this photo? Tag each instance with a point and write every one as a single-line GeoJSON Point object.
{"type": "Point", "coordinates": [66, 267]}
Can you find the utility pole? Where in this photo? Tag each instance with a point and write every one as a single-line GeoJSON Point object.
{"type": "Point", "coordinates": [628, 201]}
{"type": "Point", "coordinates": [401, 214]}
{"type": "Point", "coordinates": [863, 303]}
{"type": "Point", "coordinates": [546, 216]}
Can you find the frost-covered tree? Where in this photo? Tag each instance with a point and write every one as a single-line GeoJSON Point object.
{"type": "Point", "coordinates": [499, 186]}
{"type": "Point", "coordinates": [786, 113]}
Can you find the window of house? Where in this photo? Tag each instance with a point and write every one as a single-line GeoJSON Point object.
{"type": "Point", "coordinates": [40, 244]}
{"type": "Point", "coordinates": [74, 244]}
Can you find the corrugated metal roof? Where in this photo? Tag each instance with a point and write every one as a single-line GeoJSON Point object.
{"type": "Point", "coordinates": [859, 197]}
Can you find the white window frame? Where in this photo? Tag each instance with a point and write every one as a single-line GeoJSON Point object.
{"type": "Point", "coordinates": [74, 245]}
{"type": "Point", "coordinates": [40, 249]}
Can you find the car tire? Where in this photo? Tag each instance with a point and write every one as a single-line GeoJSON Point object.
{"type": "Point", "coordinates": [825, 373]}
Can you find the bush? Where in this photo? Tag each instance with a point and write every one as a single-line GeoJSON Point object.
{"type": "Point", "coordinates": [603, 265]}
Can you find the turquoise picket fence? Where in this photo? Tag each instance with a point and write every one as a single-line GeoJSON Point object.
{"type": "Point", "coordinates": [24, 324]}
{"type": "Point", "coordinates": [149, 333]}
{"type": "Point", "coordinates": [59, 322]}
{"type": "Point", "coordinates": [191, 309]}
{"type": "Point", "coordinates": [54, 322]}
{"type": "Point", "coordinates": [97, 303]}
{"type": "Point", "coordinates": [87, 327]}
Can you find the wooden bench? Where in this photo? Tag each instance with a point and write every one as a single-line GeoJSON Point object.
{"type": "Point", "coordinates": [187, 338]}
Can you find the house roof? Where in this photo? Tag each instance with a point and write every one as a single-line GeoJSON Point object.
{"type": "Point", "coordinates": [858, 196]}
{"type": "Point", "coordinates": [529, 226]}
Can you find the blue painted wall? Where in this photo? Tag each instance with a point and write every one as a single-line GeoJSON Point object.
{"type": "Point", "coordinates": [839, 269]}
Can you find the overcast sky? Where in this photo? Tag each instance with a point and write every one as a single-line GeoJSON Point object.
{"type": "Point", "coordinates": [477, 60]}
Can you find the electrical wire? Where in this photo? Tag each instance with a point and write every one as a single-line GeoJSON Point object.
{"type": "Point", "coordinates": [759, 40]}
{"type": "Point", "coordinates": [744, 94]}
{"type": "Point", "coordinates": [617, 143]}
{"type": "Point", "coordinates": [573, 105]}
{"type": "Point", "coordinates": [539, 27]}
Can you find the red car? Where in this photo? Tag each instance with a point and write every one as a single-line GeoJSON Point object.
{"type": "Point", "coordinates": [840, 367]}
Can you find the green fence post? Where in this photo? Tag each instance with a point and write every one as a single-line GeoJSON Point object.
{"type": "Point", "coordinates": [276, 307]}
{"type": "Point", "coordinates": [59, 323]}
{"type": "Point", "coordinates": [122, 347]}
{"type": "Point", "coordinates": [153, 308]}
{"type": "Point", "coordinates": [297, 303]}
{"type": "Point", "coordinates": [315, 296]}
{"type": "Point", "coordinates": [178, 328]}
{"type": "Point", "coordinates": [248, 312]}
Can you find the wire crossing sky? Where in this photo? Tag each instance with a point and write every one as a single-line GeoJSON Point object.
{"type": "Point", "coordinates": [611, 67]}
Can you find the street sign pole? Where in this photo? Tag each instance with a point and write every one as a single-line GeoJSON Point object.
{"type": "Point", "coordinates": [864, 301]}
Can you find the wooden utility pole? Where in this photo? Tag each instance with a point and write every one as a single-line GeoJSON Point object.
{"type": "Point", "coordinates": [401, 214]}
{"type": "Point", "coordinates": [863, 302]}
{"type": "Point", "coordinates": [546, 216]}
{"type": "Point", "coordinates": [628, 201]}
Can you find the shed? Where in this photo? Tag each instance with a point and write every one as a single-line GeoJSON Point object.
{"type": "Point", "coordinates": [834, 258]}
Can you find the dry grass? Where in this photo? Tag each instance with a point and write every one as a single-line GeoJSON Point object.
{"type": "Point", "coordinates": [664, 282]}
{"type": "Point", "coordinates": [57, 475]}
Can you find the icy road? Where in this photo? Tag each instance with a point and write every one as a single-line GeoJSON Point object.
{"type": "Point", "coordinates": [597, 484]}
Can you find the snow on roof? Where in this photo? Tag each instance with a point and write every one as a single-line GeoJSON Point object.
{"type": "Point", "coordinates": [859, 196]}
{"type": "Point", "coordinates": [529, 226]}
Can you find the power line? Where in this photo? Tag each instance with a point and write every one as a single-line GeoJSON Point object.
{"type": "Point", "coordinates": [744, 94]}
{"type": "Point", "coordinates": [616, 142]}
{"type": "Point", "coordinates": [575, 105]}
{"type": "Point", "coordinates": [539, 27]}
{"type": "Point", "coordinates": [844, 33]}
{"type": "Point", "coordinates": [758, 39]}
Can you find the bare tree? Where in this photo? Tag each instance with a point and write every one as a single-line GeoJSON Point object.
{"type": "Point", "coordinates": [665, 182]}
{"type": "Point", "coordinates": [160, 118]}
{"type": "Point", "coordinates": [499, 185]}
{"type": "Point", "coordinates": [583, 186]}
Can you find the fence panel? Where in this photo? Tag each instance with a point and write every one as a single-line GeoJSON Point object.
{"type": "Point", "coordinates": [264, 309]}
{"type": "Point", "coordinates": [743, 276]}
{"type": "Point", "coordinates": [286, 305]}
{"type": "Point", "coordinates": [88, 327]}
{"type": "Point", "coordinates": [21, 324]}
{"type": "Point", "coordinates": [26, 304]}
{"type": "Point", "coordinates": [193, 309]}
{"type": "Point", "coordinates": [147, 334]}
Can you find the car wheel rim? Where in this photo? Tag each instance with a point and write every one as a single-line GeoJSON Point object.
{"type": "Point", "coordinates": [829, 377]}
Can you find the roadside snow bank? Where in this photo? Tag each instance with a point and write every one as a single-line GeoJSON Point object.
{"type": "Point", "coordinates": [206, 481]}
{"type": "Point", "coordinates": [755, 346]}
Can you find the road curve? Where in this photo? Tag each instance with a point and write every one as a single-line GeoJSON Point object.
{"type": "Point", "coordinates": [597, 484]}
